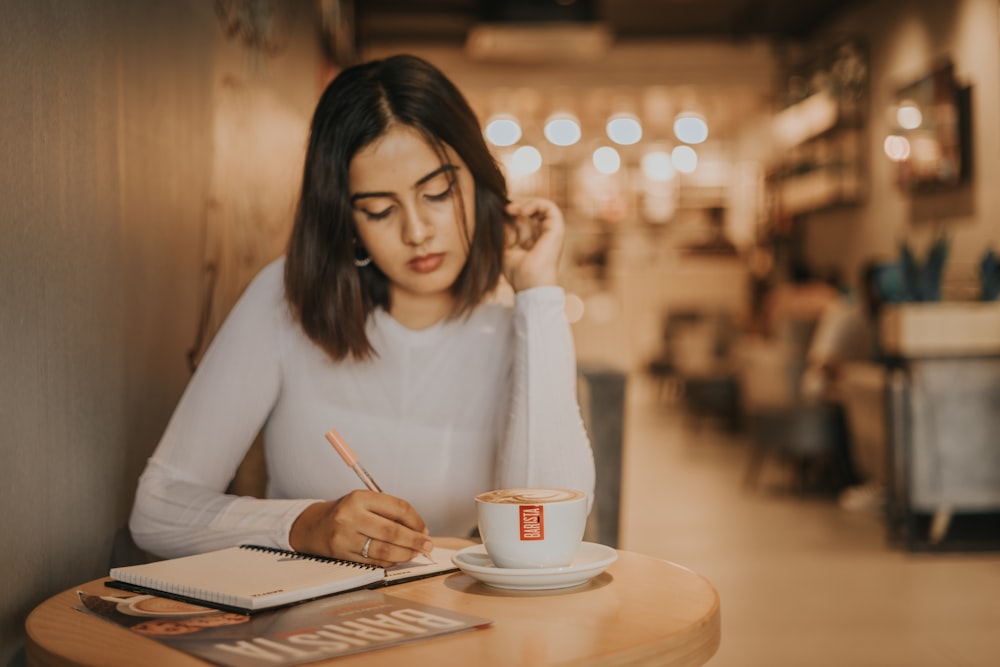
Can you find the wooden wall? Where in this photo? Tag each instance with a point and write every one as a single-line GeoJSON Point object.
{"type": "Point", "coordinates": [138, 146]}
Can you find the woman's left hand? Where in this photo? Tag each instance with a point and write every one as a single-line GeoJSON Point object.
{"type": "Point", "coordinates": [534, 241]}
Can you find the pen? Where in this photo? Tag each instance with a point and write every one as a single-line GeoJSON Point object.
{"type": "Point", "coordinates": [351, 459]}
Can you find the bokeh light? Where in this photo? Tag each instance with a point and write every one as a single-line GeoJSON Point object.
{"type": "Point", "coordinates": [684, 159]}
{"type": "Point", "coordinates": [503, 131]}
{"type": "Point", "coordinates": [562, 130]}
{"type": "Point", "coordinates": [624, 129]}
{"type": "Point", "coordinates": [607, 160]}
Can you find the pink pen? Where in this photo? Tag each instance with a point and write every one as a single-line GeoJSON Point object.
{"type": "Point", "coordinates": [351, 459]}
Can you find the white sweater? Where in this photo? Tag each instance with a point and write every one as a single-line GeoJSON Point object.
{"type": "Point", "coordinates": [440, 414]}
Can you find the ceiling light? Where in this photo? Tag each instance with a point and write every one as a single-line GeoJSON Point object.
{"type": "Point", "coordinates": [690, 128]}
{"type": "Point", "coordinates": [525, 160]}
{"type": "Point", "coordinates": [606, 160]}
{"type": "Point", "coordinates": [562, 130]}
{"type": "Point", "coordinates": [624, 129]}
{"type": "Point", "coordinates": [503, 131]}
{"type": "Point", "coordinates": [684, 158]}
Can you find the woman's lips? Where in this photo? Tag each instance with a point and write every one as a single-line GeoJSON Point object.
{"type": "Point", "coordinates": [426, 263]}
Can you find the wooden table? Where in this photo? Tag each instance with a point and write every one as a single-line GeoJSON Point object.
{"type": "Point", "coordinates": [641, 611]}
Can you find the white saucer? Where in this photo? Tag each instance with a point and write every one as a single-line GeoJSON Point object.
{"type": "Point", "coordinates": [590, 560]}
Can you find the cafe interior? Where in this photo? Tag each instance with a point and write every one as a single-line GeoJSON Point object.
{"type": "Point", "coordinates": [734, 174]}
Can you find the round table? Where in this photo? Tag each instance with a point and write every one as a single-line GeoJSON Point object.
{"type": "Point", "coordinates": [641, 611]}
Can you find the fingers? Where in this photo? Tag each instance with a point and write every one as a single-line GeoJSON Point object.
{"type": "Point", "coordinates": [341, 529]}
{"type": "Point", "coordinates": [533, 206]}
{"type": "Point", "coordinates": [386, 553]}
{"type": "Point", "coordinates": [397, 531]}
{"type": "Point", "coordinates": [523, 231]}
{"type": "Point", "coordinates": [534, 242]}
{"type": "Point", "coordinates": [531, 219]}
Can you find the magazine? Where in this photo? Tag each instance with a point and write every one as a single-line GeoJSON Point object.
{"type": "Point", "coordinates": [318, 630]}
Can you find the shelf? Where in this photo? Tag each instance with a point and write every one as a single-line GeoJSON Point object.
{"type": "Point", "coordinates": [821, 159]}
{"type": "Point", "coordinates": [819, 189]}
{"type": "Point", "coordinates": [806, 119]}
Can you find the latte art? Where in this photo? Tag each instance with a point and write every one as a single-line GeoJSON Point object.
{"type": "Point", "coordinates": [529, 496]}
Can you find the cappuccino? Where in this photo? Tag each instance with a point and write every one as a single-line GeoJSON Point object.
{"type": "Point", "coordinates": [532, 527]}
{"type": "Point", "coordinates": [528, 496]}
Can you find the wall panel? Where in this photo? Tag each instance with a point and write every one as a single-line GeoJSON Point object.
{"type": "Point", "coordinates": [107, 174]}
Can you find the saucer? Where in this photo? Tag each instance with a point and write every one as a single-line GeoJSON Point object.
{"type": "Point", "coordinates": [590, 560]}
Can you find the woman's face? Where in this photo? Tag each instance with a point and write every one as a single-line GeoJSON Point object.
{"type": "Point", "coordinates": [409, 215]}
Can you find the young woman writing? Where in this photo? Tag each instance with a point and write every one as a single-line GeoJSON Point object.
{"type": "Point", "coordinates": [378, 322]}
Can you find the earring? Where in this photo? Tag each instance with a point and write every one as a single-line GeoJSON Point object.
{"type": "Point", "coordinates": [361, 262]}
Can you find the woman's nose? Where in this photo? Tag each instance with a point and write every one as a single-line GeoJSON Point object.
{"type": "Point", "coordinates": [416, 228]}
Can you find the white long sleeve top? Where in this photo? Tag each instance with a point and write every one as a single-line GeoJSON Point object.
{"type": "Point", "coordinates": [439, 415]}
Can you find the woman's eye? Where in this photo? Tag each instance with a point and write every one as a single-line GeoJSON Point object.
{"type": "Point", "coordinates": [441, 196]}
{"type": "Point", "coordinates": [377, 215]}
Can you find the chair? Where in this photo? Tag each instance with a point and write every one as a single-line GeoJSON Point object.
{"type": "Point", "coordinates": [809, 435]}
{"type": "Point", "coordinates": [701, 351]}
{"type": "Point", "coordinates": [602, 404]}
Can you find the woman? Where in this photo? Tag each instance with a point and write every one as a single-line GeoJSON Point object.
{"type": "Point", "coordinates": [377, 323]}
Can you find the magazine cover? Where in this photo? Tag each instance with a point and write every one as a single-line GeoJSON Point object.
{"type": "Point", "coordinates": [317, 630]}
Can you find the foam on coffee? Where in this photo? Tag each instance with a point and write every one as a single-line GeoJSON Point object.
{"type": "Point", "coordinates": [529, 496]}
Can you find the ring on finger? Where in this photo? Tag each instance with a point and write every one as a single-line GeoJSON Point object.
{"type": "Point", "coordinates": [364, 549]}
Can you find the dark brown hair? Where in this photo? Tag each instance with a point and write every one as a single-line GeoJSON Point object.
{"type": "Point", "coordinates": [328, 294]}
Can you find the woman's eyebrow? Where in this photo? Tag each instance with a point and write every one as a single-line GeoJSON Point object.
{"type": "Point", "coordinates": [437, 172]}
{"type": "Point", "coordinates": [445, 168]}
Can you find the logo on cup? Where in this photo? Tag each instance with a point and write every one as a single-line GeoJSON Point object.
{"type": "Point", "coordinates": [532, 522]}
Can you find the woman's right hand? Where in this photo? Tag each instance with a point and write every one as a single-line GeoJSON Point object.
{"type": "Point", "coordinates": [340, 529]}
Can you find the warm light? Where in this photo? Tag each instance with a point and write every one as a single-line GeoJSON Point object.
{"type": "Point", "coordinates": [656, 165]}
{"type": "Point", "coordinates": [606, 160]}
{"type": "Point", "coordinates": [684, 158]}
{"type": "Point", "coordinates": [525, 160]}
{"type": "Point", "coordinates": [896, 147]}
{"type": "Point", "coordinates": [691, 128]}
{"type": "Point", "coordinates": [908, 116]}
{"type": "Point", "coordinates": [624, 129]}
{"type": "Point", "coordinates": [562, 130]}
{"type": "Point", "coordinates": [503, 131]}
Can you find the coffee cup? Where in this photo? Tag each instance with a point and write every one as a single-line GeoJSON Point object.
{"type": "Point", "coordinates": [531, 527]}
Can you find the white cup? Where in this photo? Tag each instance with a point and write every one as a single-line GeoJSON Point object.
{"type": "Point", "coordinates": [531, 528]}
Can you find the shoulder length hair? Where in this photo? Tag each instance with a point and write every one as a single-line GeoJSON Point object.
{"type": "Point", "coordinates": [330, 296]}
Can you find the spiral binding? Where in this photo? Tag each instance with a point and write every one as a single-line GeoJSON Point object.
{"type": "Point", "coordinates": [299, 555]}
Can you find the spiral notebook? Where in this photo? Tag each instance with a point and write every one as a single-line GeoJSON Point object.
{"type": "Point", "coordinates": [246, 578]}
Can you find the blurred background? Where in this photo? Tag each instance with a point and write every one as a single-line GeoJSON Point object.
{"type": "Point", "coordinates": [751, 187]}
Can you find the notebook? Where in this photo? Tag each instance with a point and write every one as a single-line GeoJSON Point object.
{"type": "Point", "coordinates": [247, 578]}
{"type": "Point", "coordinates": [421, 567]}
{"type": "Point", "coordinates": [251, 578]}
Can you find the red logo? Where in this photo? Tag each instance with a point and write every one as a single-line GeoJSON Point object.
{"type": "Point", "coordinates": [532, 522]}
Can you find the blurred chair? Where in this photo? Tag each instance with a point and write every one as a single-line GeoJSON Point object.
{"type": "Point", "coordinates": [701, 352]}
{"type": "Point", "coordinates": [810, 436]}
{"type": "Point", "coordinates": [602, 405]}
{"type": "Point", "coordinates": [664, 368]}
